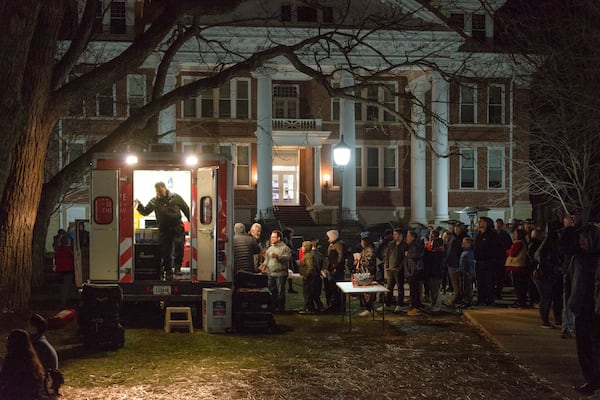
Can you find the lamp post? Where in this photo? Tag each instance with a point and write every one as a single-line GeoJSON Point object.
{"type": "Point", "coordinates": [341, 157]}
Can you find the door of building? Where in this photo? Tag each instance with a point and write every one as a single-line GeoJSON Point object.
{"type": "Point", "coordinates": [285, 176]}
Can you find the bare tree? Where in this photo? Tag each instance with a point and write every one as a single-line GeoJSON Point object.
{"type": "Point", "coordinates": [42, 86]}
{"type": "Point", "coordinates": [560, 41]}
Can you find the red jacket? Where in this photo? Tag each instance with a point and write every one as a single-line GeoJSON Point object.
{"type": "Point", "coordinates": [64, 259]}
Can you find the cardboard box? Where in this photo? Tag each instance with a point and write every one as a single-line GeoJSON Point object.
{"type": "Point", "coordinates": [216, 310]}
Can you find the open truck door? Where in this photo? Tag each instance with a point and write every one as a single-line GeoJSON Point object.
{"type": "Point", "coordinates": [208, 199]}
{"type": "Point", "coordinates": [104, 226]}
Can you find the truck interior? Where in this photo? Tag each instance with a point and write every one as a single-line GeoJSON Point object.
{"type": "Point", "coordinates": [147, 256]}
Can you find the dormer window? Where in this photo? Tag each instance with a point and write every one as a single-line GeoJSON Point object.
{"type": "Point", "coordinates": [478, 27]}
{"type": "Point", "coordinates": [472, 24]}
{"type": "Point", "coordinates": [457, 21]}
{"type": "Point", "coordinates": [117, 17]}
{"type": "Point", "coordinates": [303, 13]}
{"type": "Point", "coordinates": [306, 14]}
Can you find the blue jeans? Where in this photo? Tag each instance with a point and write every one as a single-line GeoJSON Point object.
{"type": "Point", "coordinates": [277, 287]}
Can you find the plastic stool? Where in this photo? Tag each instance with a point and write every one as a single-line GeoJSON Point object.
{"type": "Point", "coordinates": [187, 322]}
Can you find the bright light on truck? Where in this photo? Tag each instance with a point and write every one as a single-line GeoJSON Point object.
{"type": "Point", "coordinates": [131, 159]}
{"type": "Point", "coordinates": [191, 160]}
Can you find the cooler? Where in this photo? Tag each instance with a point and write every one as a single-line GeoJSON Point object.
{"type": "Point", "coordinates": [216, 310]}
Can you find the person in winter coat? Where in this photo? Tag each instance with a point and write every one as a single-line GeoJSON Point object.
{"type": "Point", "coordinates": [582, 288]}
{"type": "Point", "coordinates": [516, 264]}
{"type": "Point", "coordinates": [433, 262]}
{"type": "Point", "coordinates": [548, 277]}
{"type": "Point", "coordinates": [453, 252]}
{"type": "Point", "coordinates": [394, 269]}
{"type": "Point", "coordinates": [367, 262]}
{"type": "Point", "coordinates": [244, 249]}
{"type": "Point", "coordinates": [310, 269]}
{"type": "Point", "coordinates": [45, 351]}
{"type": "Point", "coordinates": [467, 271]}
{"type": "Point", "coordinates": [64, 265]}
{"type": "Point", "coordinates": [413, 271]}
{"type": "Point", "coordinates": [167, 207]}
{"type": "Point", "coordinates": [336, 264]}
{"type": "Point", "coordinates": [22, 376]}
{"type": "Point", "coordinates": [276, 265]}
{"type": "Point", "coordinates": [488, 251]}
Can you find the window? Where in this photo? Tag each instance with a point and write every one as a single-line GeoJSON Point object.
{"type": "Point", "coordinates": [384, 94]}
{"type": "Point", "coordinates": [478, 27]}
{"type": "Point", "coordinates": [389, 167]}
{"type": "Point", "coordinates": [457, 21]}
{"type": "Point", "coordinates": [381, 167]}
{"type": "Point", "coordinates": [73, 151]}
{"type": "Point", "coordinates": [372, 166]}
{"type": "Point", "coordinates": [225, 100]}
{"type": "Point", "coordinates": [306, 14]}
{"type": "Point", "coordinates": [327, 15]}
{"type": "Point", "coordinates": [242, 165]}
{"type": "Point", "coordinates": [242, 99]}
{"type": "Point", "coordinates": [77, 109]}
{"type": "Point", "coordinates": [231, 100]}
{"type": "Point", "coordinates": [136, 92]}
{"type": "Point", "coordinates": [495, 168]}
{"type": "Point", "coordinates": [105, 102]}
{"type": "Point", "coordinates": [468, 100]}
{"type": "Point", "coordinates": [99, 16]}
{"type": "Point", "coordinates": [117, 17]}
{"type": "Point", "coordinates": [285, 101]}
{"type": "Point", "coordinates": [286, 13]}
{"type": "Point", "coordinates": [467, 169]}
{"type": "Point", "coordinates": [358, 163]}
{"type": "Point", "coordinates": [496, 104]}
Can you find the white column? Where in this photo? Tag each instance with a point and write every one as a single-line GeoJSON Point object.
{"type": "Point", "coordinates": [167, 117]}
{"type": "Point", "coordinates": [347, 128]}
{"type": "Point", "coordinates": [317, 176]}
{"type": "Point", "coordinates": [418, 198]}
{"type": "Point", "coordinates": [264, 136]}
{"type": "Point", "coordinates": [439, 132]}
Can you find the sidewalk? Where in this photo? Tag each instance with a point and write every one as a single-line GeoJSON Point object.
{"type": "Point", "coordinates": [541, 351]}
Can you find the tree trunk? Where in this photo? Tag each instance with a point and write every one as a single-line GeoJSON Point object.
{"type": "Point", "coordinates": [16, 233]}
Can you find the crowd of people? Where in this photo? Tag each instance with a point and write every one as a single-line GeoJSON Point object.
{"type": "Point", "coordinates": [553, 268]}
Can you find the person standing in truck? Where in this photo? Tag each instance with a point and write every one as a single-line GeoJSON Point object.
{"type": "Point", "coordinates": [167, 207]}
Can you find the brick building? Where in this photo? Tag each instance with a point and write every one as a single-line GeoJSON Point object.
{"type": "Point", "coordinates": [279, 125]}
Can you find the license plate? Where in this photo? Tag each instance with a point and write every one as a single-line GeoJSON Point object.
{"type": "Point", "coordinates": [161, 290]}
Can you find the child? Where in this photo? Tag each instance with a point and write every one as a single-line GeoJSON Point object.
{"type": "Point", "coordinates": [467, 270]}
{"type": "Point", "coordinates": [64, 263]}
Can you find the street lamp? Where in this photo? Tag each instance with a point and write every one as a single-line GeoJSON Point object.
{"type": "Point", "coordinates": [341, 157]}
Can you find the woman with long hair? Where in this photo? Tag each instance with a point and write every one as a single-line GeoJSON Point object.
{"type": "Point", "coordinates": [22, 376]}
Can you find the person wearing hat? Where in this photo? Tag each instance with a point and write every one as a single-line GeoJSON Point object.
{"type": "Point", "coordinates": [336, 262]}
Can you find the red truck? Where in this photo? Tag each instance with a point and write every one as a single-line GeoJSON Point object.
{"type": "Point", "coordinates": [123, 244]}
